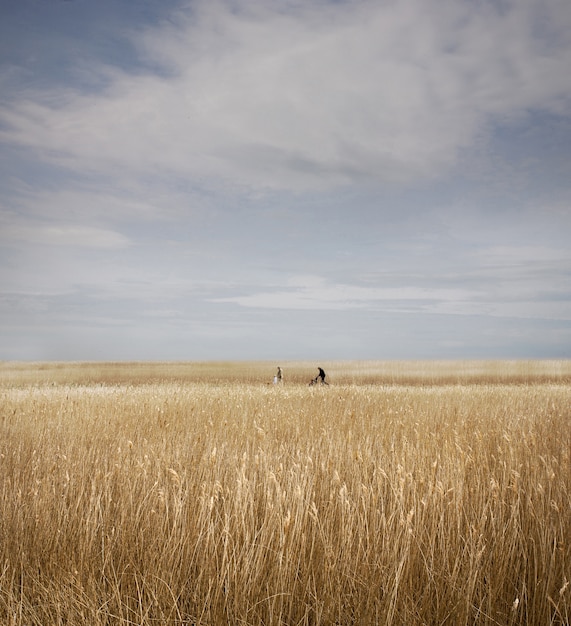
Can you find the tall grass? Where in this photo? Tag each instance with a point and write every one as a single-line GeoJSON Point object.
{"type": "Point", "coordinates": [201, 503]}
{"type": "Point", "coordinates": [252, 372]}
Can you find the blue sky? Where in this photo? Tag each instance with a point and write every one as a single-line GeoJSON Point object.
{"type": "Point", "coordinates": [222, 179]}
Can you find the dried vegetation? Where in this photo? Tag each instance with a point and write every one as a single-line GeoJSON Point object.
{"type": "Point", "coordinates": [148, 494]}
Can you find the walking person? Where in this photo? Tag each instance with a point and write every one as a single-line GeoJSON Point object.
{"type": "Point", "coordinates": [278, 378]}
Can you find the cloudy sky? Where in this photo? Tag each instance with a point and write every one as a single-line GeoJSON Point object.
{"type": "Point", "coordinates": [285, 179]}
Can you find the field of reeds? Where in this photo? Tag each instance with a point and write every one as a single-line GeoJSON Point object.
{"type": "Point", "coordinates": [201, 494]}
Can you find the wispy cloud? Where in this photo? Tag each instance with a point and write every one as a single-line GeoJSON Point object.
{"type": "Point", "coordinates": [307, 95]}
{"type": "Point", "coordinates": [210, 177]}
{"type": "Point", "coordinates": [530, 282]}
{"type": "Point", "coordinates": [64, 235]}
{"type": "Point", "coordinates": [315, 293]}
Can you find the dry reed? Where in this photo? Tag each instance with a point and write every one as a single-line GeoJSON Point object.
{"type": "Point", "coordinates": [201, 503]}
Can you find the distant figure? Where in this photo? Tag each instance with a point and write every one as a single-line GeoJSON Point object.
{"type": "Point", "coordinates": [278, 378]}
{"type": "Point", "coordinates": [320, 378]}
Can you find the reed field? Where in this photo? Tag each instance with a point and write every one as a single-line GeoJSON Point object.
{"type": "Point", "coordinates": [410, 494]}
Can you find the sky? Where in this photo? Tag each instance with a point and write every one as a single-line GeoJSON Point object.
{"type": "Point", "coordinates": [285, 179]}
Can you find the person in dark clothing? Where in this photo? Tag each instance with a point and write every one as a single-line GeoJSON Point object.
{"type": "Point", "coordinates": [320, 378]}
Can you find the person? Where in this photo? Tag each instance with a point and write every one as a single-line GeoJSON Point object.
{"type": "Point", "coordinates": [320, 378]}
{"type": "Point", "coordinates": [278, 378]}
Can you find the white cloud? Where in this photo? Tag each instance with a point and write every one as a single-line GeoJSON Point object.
{"type": "Point", "coordinates": [170, 197]}
{"type": "Point", "coordinates": [317, 95]}
{"type": "Point", "coordinates": [313, 293]}
{"type": "Point", "coordinates": [63, 235]}
{"type": "Point", "coordinates": [500, 283]}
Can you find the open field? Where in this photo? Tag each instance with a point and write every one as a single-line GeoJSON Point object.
{"type": "Point", "coordinates": [252, 372]}
{"type": "Point", "coordinates": [402, 494]}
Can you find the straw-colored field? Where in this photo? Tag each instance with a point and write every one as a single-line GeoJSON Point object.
{"type": "Point", "coordinates": [409, 494]}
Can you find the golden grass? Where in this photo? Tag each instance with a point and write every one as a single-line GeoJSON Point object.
{"type": "Point", "coordinates": [252, 372]}
{"type": "Point", "coordinates": [223, 501]}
